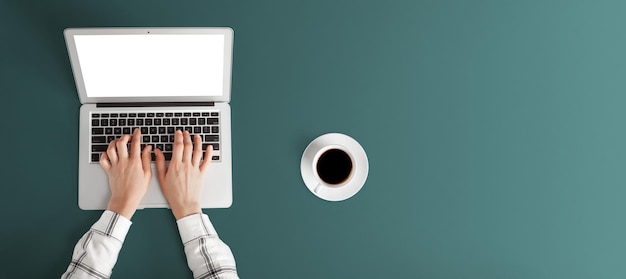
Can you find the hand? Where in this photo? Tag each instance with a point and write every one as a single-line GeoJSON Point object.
{"type": "Point", "coordinates": [129, 174]}
{"type": "Point", "coordinates": [181, 181]}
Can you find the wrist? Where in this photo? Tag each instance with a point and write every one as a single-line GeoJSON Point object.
{"type": "Point", "coordinates": [122, 207]}
{"type": "Point", "coordinates": [184, 211]}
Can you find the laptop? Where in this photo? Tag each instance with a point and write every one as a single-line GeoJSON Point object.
{"type": "Point", "coordinates": [158, 80]}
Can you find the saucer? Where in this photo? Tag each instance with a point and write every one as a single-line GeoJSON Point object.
{"type": "Point", "coordinates": [356, 180]}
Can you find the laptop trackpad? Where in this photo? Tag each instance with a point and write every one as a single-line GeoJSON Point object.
{"type": "Point", "coordinates": [154, 197]}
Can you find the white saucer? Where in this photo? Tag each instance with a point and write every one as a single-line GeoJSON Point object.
{"type": "Point", "coordinates": [357, 178]}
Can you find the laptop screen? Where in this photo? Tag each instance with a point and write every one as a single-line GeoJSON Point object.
{"type": "Point", "coordinates": [152, 65]}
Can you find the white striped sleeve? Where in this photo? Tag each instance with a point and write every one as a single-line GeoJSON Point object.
{"type": "Point", "coordinates": [96, 252]}
{"type": "Point", "coordinates": [207, 256]}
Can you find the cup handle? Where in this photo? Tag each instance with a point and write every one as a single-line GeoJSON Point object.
{"type": "Point", "coordinates": [317, 188]}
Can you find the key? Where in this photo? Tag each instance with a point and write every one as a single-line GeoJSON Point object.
{"type": "Point", "coordinates": [95, 157]}
{"type": "Point", "coordinates": [97, 131]}
{"type": "Point", "coordinates": [215, 158]}
{"type": "Point", "coordinates": [104, 122]}
{"type": "Point", "coordinates": [99, 147]}
{"type": "Point", "coordinates": [167, 155]}
{"type": "Point", "coordinates": [123, 114]}
{"type": "Point", "coordinates": [196, 114]}
{"type": "Point", "coordinates": [183, 121]}
{"type": "Point", "coordinates": [122, 122]}
{"type": "Point", "coordinates": [144, 130]}
{"type": "Point", "coordinates": [160, 146]}
{"type": "Point", "coordinates": [117, 131]}
{"type": "Point", "coordinates": [192, 121]}
{"type": "Point", "coordinates": [215, 129]}
{"type": "Point", "coordinates": [201, 121]}
{"type": "Point", "coordinates": [159, 114]}
{"type": "Point", "coordinates": [104, 115]}
{"type": "Point", "coordinates": [108, 131]}
{"type": "Point", "coordinates": [146, 139]}
{"type": "Point", "coordinates": [169, 114]}
{"type": "Point", "coordinates": [95, 122]}
{"type": "Point", "coordinates": [151, 114]}
{"type": "Point", "coordinates": [113, 114]}
{"type": "Point", "coordinates": [131, 122]}
{"type": "Point", "coordinates": [155, 138]}
{"type": "Point", "coordinates": [205, 114]}
{"type": "Point", "coordinates": [148, 122]}
{"type": "Point", "coordinates": [110, 139]}
{"type": "Point", "coordinates": [216, 146]}
{"type": "Point", "coordinates": [126, 131]}
{"type": "Point", "coordinates": [174, 121]}
{"type": "Point", "coordinates": [206, 129]}
{"type": "Point", "coordinates": [170, 130]}
{"type": "Point", "coordinates": [161, 130]}
{"type": "Point", "coordinates": [168, 147]}
{"type": "Point", "coordinates": [141, 115]}
{"type": "Point", "coordinates": [95, 115]}
{"type": "Point", "coordinates": [178, 114]}
{"type": "Point", "coordinates": [166, 121]}
{"type": "Point", "coordinates": [157, 122]}
{"type": "Point", "coordinates": [98, 139]}
{"type": "Point", "coordinates": [153, 130]}
{"type": "Point", "coordinates": [164, 139]}
{"type": "Point", "coordinates": [132, 115]}
{"type": "Point", "coordinates": [188, 129]}
{"type": "Point", "coordinates": [197, 130]}
{"type": "Point", "coordinates": [215, 114]}
{"type": "Point", "coordinates": [139, 121]}
{"type": "Point", "coordinates": [212, 121]}
{"type": "Point", "coordinates": [187, 114]}
{"type": "Point", "coordinates": [211, 138]}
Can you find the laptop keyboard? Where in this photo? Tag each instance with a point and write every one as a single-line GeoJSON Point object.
{"type": "Point", "coordinates": [157, 129]}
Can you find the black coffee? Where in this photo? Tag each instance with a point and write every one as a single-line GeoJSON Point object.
{"type": "Point", "coordinates": [334, 166]}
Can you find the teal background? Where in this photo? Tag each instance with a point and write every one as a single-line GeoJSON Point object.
{"type": "Point", "coordinates": [494, 129]}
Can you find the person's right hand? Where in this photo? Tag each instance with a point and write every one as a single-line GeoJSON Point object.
{"type": "Point", "coordinates": [181, 181]}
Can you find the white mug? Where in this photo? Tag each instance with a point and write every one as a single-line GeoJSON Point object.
{"type": "Point", "coordinates": [345, 179]}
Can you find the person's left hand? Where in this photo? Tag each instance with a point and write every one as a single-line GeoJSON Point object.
{"type": "Point", "coordinates": [129, 173]}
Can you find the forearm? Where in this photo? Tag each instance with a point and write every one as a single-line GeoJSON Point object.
{"type": "Point", "coordinates": [207, 255]}
{"type": "Point", "coordinates": [96, 252]}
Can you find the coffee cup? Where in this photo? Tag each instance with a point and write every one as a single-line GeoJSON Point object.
{"type": "Point", "coordinates": [334, 166]}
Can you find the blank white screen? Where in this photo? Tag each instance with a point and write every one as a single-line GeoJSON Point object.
{"type": "Point", "coordinates": [151, 65]}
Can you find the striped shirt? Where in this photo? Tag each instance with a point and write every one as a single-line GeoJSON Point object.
{"type": "Point", "coordinates": [96, 252]}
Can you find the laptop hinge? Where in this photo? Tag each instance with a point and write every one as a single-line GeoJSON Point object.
{"type": "Point", "coordinates": [157, 104]}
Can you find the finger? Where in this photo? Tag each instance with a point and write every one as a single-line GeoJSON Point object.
{"type": "Point", "coordinates": [177, 152]}
{"type": "Point", "coordinates": [122, 150]}
{"type": "Point", "coordinates": [188, 147]}
{"type": "Point", "coordinates": [207, 158]}
{"type": "Point", "coordinates": [160, 165]}
{"type": "Point", "coordinates": [104, 162]}
{"type": "Point", "coordinates": [135, 144]}
{"type": "Point", "coordinates": [197, 150]}
{"type": "Point", "coordinates": [146, 158]}
{"type": "Point", "coordinates": [112, 153]}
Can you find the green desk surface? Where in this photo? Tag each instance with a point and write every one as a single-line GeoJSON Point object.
{"type": "Point", "coordinates": [495, 132]}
